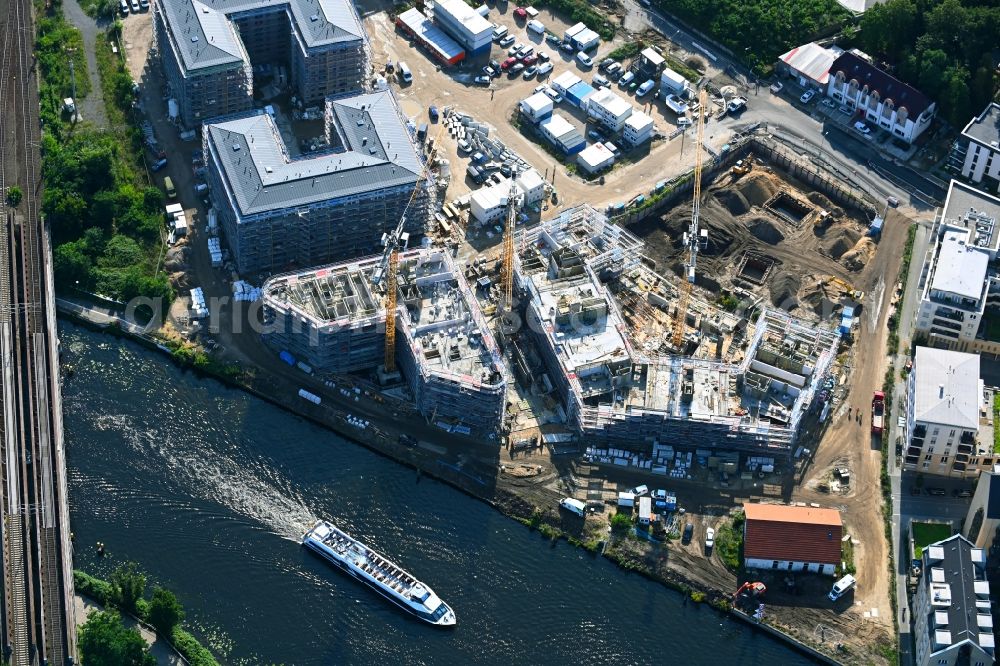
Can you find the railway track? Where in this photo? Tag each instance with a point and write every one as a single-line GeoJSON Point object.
{"type": "Point", "coordinates": [37, 613]}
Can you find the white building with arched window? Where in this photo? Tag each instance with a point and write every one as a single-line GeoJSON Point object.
{"type": "Point", "coordinates": [879, 98]}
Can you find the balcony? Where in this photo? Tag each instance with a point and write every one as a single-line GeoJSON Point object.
{"type": "Point", "coordinates": [945, 313]}
{"type": "Point", "coordinates": [965, 448]}
{"type": "Point", "coordinates": [920, 431]}
{"type": "Point", "coordinates": [912, 460]}
{"type": "Point", "coordinates": [968, 437]}
{"type": "Point", "coordinates": [962, 458]}
{"type": "Point", "coordinates": [944, 333]}
{"type": "Point", "coordinates": [945, 323]}
{"type": "Point", "coordinates": [913, 451]}
{"type": "Point", "coordinates": [958, 466]}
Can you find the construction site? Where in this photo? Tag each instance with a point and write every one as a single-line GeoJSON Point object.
{"type": "Point", "coordinates": [334, 320]}
{"type": "Point", "coordinates": [597, 338]}
{"type": "Point", "coordinates": [770, 238]}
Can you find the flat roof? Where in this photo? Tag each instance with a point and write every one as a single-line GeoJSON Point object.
{"type": "Point", "coordinates": [960, 268]}
{"type": "Point", "coordinates": [558, 126]}
{"type": "Point", "coordinates": [595, 155]}
{"type": "Point", "coordinates": [652, 56]}
{"type": "Point", "coordinates": [537, 102]}
{"type": "Point", "coordinates": [811, 60]}
{"type": "Point", "coordinates": [492, 196]}
{"type": "Point", "coordinates": [985, 128]}
{"type": "Point", "coordinates": [977, 211]}
{"type": "Point", "coordinates": [433, 36]}
{"type": "Point", "coordinates": [203, 34]}
{"type": "Point", "coordinates": [946, 388]}
{"type": "Point", "coordinates": [566, 80]}
{"type": "Point", "coordinates": [673, 77]}
{"type": "Point", "coordinates": [638, 120]}
{"type": "Point", "coordinates": [470, 19]}
{"type": "Point", "coordinates": [611, 102]}
{"type": "Point", "coordinates": [377, 153]}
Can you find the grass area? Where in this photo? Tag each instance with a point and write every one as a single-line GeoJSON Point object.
{"type": "Point", "coordinates": [107, 220]}
{"type": "Point", "coordinates": [627, 50]}
{"type": "Point", "coordinates": [729, 542]}
{"type": "Point", "coordinates": [924, 534]}
{"type": "Point", "coordinates": [847, 557]}
{"type": "Point", "coordinates": [57, 44]}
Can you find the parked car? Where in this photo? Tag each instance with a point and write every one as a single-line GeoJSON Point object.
{"type": "Point", "coordinates": [552, 39]}
{"type": "Point", "coordinates": [709, 538]}
{"type": "Point", "coordinates": [828, 103]}
{"type": "Point", "coordinates": [517, 69]}
{"type": "Point", "coordinates": [861, 127]}
{"type": "Point", "coordinates": [515, 50]}
{"type": "Point", "coordinates": [595, 136]}
{"type": "Point", "coordinates": [536, 26]}
{"type": "Point", "coordinates": [601, 82]}
{"type": "Point", "coordinates": [607, 62]}
{"type": "Point", "coordinates": [143, 5]}
{"type": "Point", "coordinates": [508, 63]}
{"type": "Point", "coordinates": [543, 56]}
{"type": "Point", "coordinates": [626, 79]}
{"type": "Point", "coordinates": [134, 6]}
{"type": "Point", "coordinates": [529, 60]}
{"type": "Point", "coordinates": [892, 201]}
{"type": "Point", "coordinates": [688, 533]}
{"type": "Point", "coordinates": [961, 493]}
{"type": "Point", "coordinates": [525, 52]}
{"type": "Point", "coordinates": [807, 96]}
{"type": "Point", "coordinates": [540, 89]}
{"type": "Point", "coordinates": [544, 69]}
{"type": "Point", "coordinates": [777, 87]}
{"type": "Point", "coordinates": [567, 47]}
{"type": "Point", "coordinates": [464, 146]}
{"type": "Point", "coordinates": [489, 71]}
{"type": "Point", "coordinates": [483, 80]}
{"type": "Point", "coordinates": [683, 121]}
{"type": "Point", "coordinates": [530, 72]}
{"type": "Point", "coordinates": [521, 13]}
{"type": "Point", "coordinates": [584, 59]}
{"type": "Point", "coordinates": [123, 6]}
{"type": "Point", "coordinates": [506, 41]}
{"type": "Point", "coordinates": [553, 95]}
{"type": "Point", "coordinates": [432, 113]}
{"type": "Point", "coordinates": [159, 164]}
{"type": "Point", "coordinates": [499, 33]}
{"type": "Point", "coordinates": [614, 69]}
{"type": "Point", "coordinates": [645, 88]}
{"type": "Point", "coordinates": [936, 491]}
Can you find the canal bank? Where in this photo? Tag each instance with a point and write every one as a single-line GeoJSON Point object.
{"type": "Point", "coordinates": [470, 482]}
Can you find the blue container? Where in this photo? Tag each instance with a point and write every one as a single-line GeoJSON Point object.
{"type": "Point", "coordinates": [287, 358]}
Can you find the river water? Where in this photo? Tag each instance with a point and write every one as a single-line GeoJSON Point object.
{"type": "Point", "coordinates": [209, 490]}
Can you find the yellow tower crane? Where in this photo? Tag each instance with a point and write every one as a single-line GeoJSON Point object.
{"type": "Point", "coordinates": [692, 238]}
{"type": "Point", "coordinates": [507, 257]}
{"type": "Point", "coordinates": [389, 265]}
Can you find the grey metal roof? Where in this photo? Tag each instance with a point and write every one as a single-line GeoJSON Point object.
{"type": "Point", "coordinates": [203, 34]}
{"type": "Point", "coordinates": [985, 128]}
{"type": "Point", "coordinates": [961, 572]}
{"type": "Point", "coordinates": [378, 153]}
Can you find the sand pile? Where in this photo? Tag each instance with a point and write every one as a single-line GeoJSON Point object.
{"type": "Point", "coordinates": [784, 290]}
{"type": "Point", "coordinates": [176, 259]}
{"type": "Point", "coordinates": [857, 257]}
{"type": "Point", "coordinates": [733, 201]}
{"type": "Point", "coordinates": [766, 230]}
{"type": "Point", "coordinates": [757, 188]}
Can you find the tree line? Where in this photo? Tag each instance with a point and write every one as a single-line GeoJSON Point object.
{"type": "Point", "coordinates": [943, 48]}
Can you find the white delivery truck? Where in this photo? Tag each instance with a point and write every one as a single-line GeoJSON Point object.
{"type": "Point", "coordinates": [841, 587]}
{"type": "Point", "coordinates": [573, 505]}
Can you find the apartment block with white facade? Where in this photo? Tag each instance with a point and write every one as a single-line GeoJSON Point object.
{"type": "Point", "coordinates": [960, 287]}
{"type": "Point", "coordinates": [977, 150]}
{"type": "Point", "coordinates": [943, 414]}
{"type": "Point", "coordinates": [883, 100]}
{"type": "Point", "coordinates": [952, 619]}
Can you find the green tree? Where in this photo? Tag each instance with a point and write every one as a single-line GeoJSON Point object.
{"type": "Point", "coordinates": [888, 28]}
{"type": "Point", "coordinates": [933, 64]}
{"type": "Point", "coordinates": [955, 102]}
{"type": "Point", "coordinates": [14, 196]}
{"type": "Point", "coordinates": [165, 612]}
{"type": "Point", "coordinates": [71, 263]}
{"type": "Point", "coordinates": [128, 584]}
{"type": "Point", "coordinates": [104, 641]}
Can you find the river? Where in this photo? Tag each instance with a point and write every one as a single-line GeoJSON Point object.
{"type": "Point", "coordinates": [209, 489]}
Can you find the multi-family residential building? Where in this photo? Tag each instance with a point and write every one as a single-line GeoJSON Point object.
{"type": "Point", "coordinates": [976, 152]}
{"type": "Point", "coordinates": [982, 520]}
{"type": "Point", "coordinates": [943, 413]}
{"type": "Point", "coordinates": [882, 99]}
{"type": "Point", "coordinates": [279, 212]}
{"type": "Point", "coordinates": [959, 286]}
{"type": "Point", "coordinates": [952, 618]}
{"type": "Point", "coordinates": [209, 51]}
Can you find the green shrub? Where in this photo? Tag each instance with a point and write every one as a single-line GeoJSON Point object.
{"type": "Point", "coordinates": [95, 588]}
{"type": "Point", "coordinates": [128, 584]}
{"type": "Point", "coordinates": [14, 196]}
{"type": "Point", "coordinates": [621, 522]}
{"type": "Point", "coordinates": [105, 641]}
{"type": "Point", "coordinates": [191, 649]}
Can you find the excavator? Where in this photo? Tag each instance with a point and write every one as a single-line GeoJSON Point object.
{"type": "Point", "coordinates": [755, 589]}
{"type": "Point", "coordinates": [742, 167]}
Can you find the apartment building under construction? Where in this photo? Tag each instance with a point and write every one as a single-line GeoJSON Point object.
{"type": "Point", "coordinates": [602, 349]}
{"type": "Point", "coordinates": [334, 320]}
{"type": "Point", "coordinates": [208, 51]}
{"type": "Point", "coordinates": [279, 212]}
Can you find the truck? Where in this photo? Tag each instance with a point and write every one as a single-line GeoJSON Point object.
{"type": "Point", "coordinates": [878, 412]}
{"type": "Point", "coordinates": [573, 505]}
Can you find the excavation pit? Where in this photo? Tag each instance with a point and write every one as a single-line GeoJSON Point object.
{"type": "Point", "coordinates": [754, 267]}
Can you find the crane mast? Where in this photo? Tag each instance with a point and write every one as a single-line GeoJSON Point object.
{"type": "Point", "coordinates": [507, 258]}
{"type": "Point", "coordinates": [692, 237]}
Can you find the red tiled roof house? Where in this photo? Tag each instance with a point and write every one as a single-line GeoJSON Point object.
{"type": "Point", "coordinates": [792, 538]}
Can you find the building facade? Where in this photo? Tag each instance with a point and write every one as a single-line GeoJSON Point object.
{"type": "Point", "coordinates": [878, 97]}
{"type": "Point", "coordinates": [609, 109]}
{"type": "Point", "coordinates": [638, 129]}
{"type": "Point", "coordinates": [333, 318]}
{"type": "Point", "coordinates": [982, 521]}
{"type": "Point", "coordinates": [977, 150]}
{"type": "Point", "coordinates": [959, 288]}
{"type": "Point", "coordinates": [952, 618]}
{"type": "Point", "coordinates": [943, 413]}
{"type": "Point", "coordinates": [792, 538]}
{"type": "Point", "coordinates": [278, 213]}
{"type": "Point", "coordinates": [207, 51]}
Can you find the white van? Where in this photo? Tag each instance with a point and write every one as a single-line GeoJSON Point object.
{"type": "Point", "coordinates": [404, 72]}
{"type": "Point", "coordinates": [499, 33]}
{"type": "Point", "coordinates": [841, 587]}
{"type": "Point", "coordinates": [536, 26]}
{"type": "Point", "coordinates": [573, 505]}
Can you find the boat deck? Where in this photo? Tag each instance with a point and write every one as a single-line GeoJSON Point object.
{"type": "Point", "coordinates": [373, 564]}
